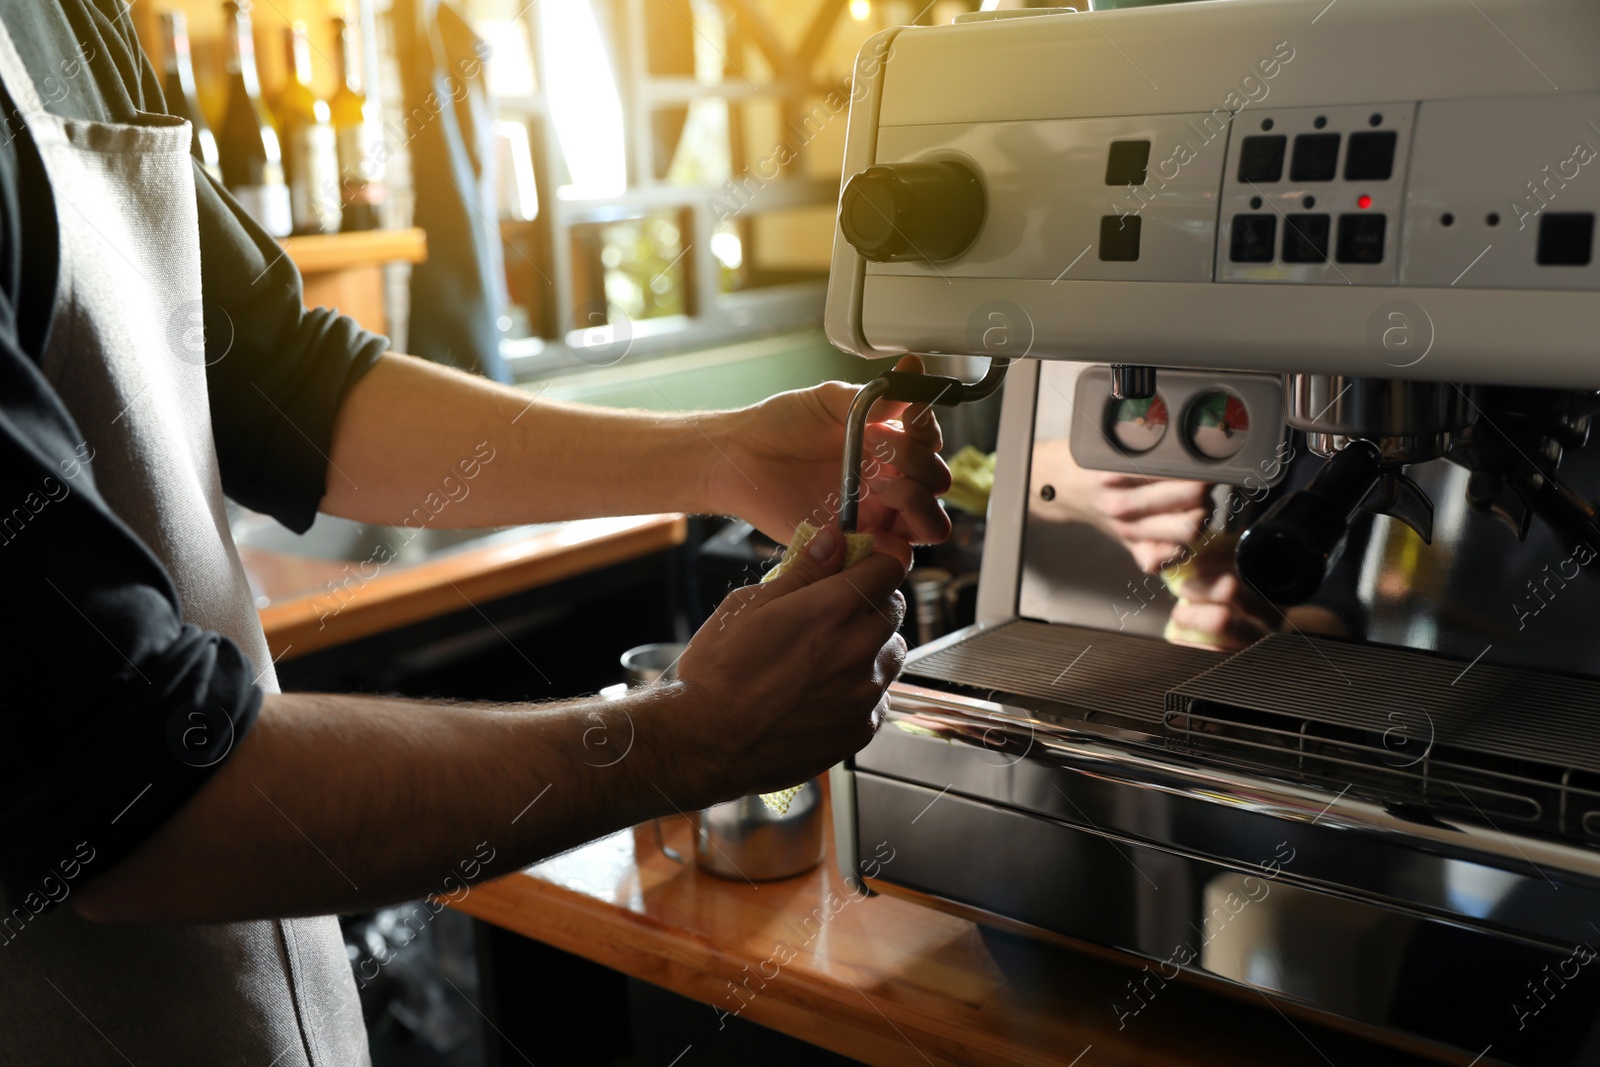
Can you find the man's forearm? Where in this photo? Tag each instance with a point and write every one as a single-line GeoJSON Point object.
{"type": "Point", "coordinates": [426, 445]}
{"type": "Point", "coordinates": [340, 803]}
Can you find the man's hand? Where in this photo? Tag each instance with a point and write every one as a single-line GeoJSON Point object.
{"type": "Point", "coordinates": [1215, 609]}
{"type": "Point", "coordinates": [1160, 521]}
{"type": "Point", "coordinates": [784, 454]}
{"type": "Point", "coordinates": [1154, 517]}
{"type": "Point", "coordinates": [790, 677]}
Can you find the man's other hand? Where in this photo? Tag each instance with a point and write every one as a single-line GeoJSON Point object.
{"type": "Point", "coordinates": [789, 677]}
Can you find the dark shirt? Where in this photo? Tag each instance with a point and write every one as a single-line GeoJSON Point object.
{"type": "Point", "coordinates": [97, 664]}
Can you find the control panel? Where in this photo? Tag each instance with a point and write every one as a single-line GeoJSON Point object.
{"type": "Point", "coordinates": [1110, 199]}
{"type": "Point", "coordinates": [1315, 195]}
{"type": "Point", "coordinates": [1386, 194]}
{"type": "Point", "coordinates": [1369, 188]}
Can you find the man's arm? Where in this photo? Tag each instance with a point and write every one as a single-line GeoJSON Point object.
{"type": "Point", "coordinates": [338, 803]}
{"type": "Point", "coordinates": [410, 433]}
{"type": "Point", "coordinates": [419, 443]}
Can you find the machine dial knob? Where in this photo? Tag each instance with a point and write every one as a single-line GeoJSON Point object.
{"type": "Point", "coordinates": [912, 211]}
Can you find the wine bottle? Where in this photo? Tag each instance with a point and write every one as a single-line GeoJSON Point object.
{"type": "Point", "coordinates": [355, 127]}
{"type": "Point", "coordinates": [247, 144]}
{"type": "Point", "coordinates": [178, 85]}
{"type": "Point", "coordinates": [310, 152]}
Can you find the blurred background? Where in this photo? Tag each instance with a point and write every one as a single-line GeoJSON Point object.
{"type": "Point", "coordinates": [596, 182]}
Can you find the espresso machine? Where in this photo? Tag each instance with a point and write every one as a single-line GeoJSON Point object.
{"type": "Point", "coordinates": [1286, 671]}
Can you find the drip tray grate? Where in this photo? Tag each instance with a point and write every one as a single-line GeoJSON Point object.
{"type": "Point", "coordinates": [1490, 743]}
{"type": "Point", "coordinates": [1099, 673]}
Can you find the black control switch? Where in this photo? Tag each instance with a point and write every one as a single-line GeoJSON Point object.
{"type": "Point", "coordinates": [1126, 162]}
{"type": "Point", "coordinates": [1119, 238]}
{"type": "Point", "coordinates": [1305, 238]}
{"type": "Point", "coordinates": [1316, 157]}
{"type": "Point", "coordinates": [1361, 237]}
{"type": "Point", "coordinates": [912, 211]}
{"type": "Point", "coordinates": [1253, 238]}
{"type": "Point", "coordinates": [1370, 157]}
{"type": "Point", "coordinates": [1566, 239]}
{"type": "Point", "coordinates": [1261, 158]}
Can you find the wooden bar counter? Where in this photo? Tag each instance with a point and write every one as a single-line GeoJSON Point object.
{"type": "Point", "coordinates": [883, 980]}
{"type": "Point", "coordinates": [307, 604]}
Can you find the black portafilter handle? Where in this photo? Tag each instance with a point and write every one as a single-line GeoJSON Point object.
{"type": "Point", "coordinates": [1286, 555]}
{"type": "Point", "coordinates": [909, 387]}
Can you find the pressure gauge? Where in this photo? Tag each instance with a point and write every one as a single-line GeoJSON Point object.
{"type": "Point", "coordinates": [1210, 438]}
{"type": "Point", "coordinates": [1138, 425]}
{"type": "Point", "coordinates": [1216, 424]}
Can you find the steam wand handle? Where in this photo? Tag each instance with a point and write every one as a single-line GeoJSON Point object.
{"type": "Point", "coordinates": [910, 387]}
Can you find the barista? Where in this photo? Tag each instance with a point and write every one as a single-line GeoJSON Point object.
{"type": "Point", "coordinates": [175, 831]}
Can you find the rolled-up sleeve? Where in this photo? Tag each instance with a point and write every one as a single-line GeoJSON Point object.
{"type": "Point", "coordinates": [277, 372]}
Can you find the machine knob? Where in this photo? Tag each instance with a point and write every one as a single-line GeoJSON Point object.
{"type": "Point", "coordinates": [912, 211]}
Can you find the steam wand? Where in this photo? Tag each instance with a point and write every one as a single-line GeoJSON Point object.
{"type": "Point", "coordinates": [937, 390]}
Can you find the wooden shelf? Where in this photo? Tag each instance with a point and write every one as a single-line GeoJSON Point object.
{"type": "Point", "coordinates": [341, 251]}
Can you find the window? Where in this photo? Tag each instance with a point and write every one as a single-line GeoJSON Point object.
{"type": "Point", "coordinates": [670, 168]}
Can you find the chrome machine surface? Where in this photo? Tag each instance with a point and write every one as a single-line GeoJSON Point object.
{"type": "Point", "coordinates": [1287, 668]}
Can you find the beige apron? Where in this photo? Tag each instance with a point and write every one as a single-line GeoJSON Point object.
{"type": "Point", "coordinates": [126, 356]}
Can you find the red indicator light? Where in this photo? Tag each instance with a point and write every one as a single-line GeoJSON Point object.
{"type": "Point", "coordinates": [1363, 201]}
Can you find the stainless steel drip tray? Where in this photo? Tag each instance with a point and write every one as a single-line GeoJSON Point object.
{"type": "Point", "coordinates": [1509, 749]}
{"type": "Point", "coordinates": [1515, 749]}
{"type": "Point", "coordinates": [1174, 788]}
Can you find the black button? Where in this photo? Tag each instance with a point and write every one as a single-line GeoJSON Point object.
{"type": "Point", "coordinates": [1371, 157]}
{"type": "Point", "coordinates": [1565, 239]}
{"type": "Point", "coordinates": [1253, 237]}
{"type": "Point", "coordinates": [1305, 238]}
{"type": "Point", "coordinates": [1126, 162]}
{"type": "Point", "coordinates": [1119, 238]}
{"type": "Point", "coordinates": [1361, 236]}
{"type": "Point", "coordinates": [1261, 158]}
{"type": "Point", "coordinates": [1316, 157]}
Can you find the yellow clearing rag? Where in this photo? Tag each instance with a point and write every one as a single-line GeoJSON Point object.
{"type": "Point", "coordinates": [857, 547]}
